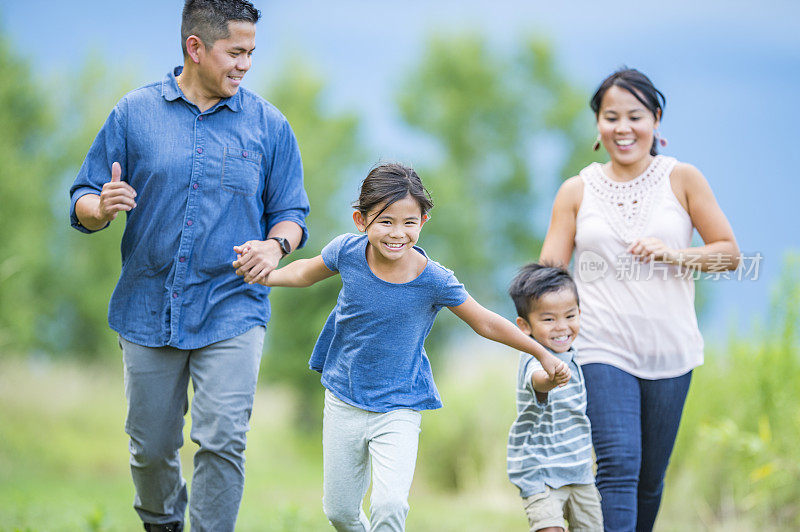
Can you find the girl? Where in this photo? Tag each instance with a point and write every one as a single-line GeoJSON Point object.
{"type": "Point", "coordinates": [639, 338]}
{"type": "Point", "coordinates": [370, 352]}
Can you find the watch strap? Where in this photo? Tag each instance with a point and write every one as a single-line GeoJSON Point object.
{"type": "Point", "coordinates": [284, 244]}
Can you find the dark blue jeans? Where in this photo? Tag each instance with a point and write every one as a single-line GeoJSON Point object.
{"type": "Point", "coordinates": [634, 424]}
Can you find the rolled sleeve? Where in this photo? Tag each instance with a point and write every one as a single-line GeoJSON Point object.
{"type": "Point", "coordinates": [285, 198]}
{"type": "Point", "coordinates": [108, 147]}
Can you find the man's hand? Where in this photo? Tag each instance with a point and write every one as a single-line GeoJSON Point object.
{"type": "Point", "coordinates": [115, 196]}
{"type": "Point", "coordinates": [255, 259]}
{"type": "Point", "coordinates": [95, 211]}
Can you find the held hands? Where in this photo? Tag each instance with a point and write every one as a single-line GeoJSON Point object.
{"type": "Point", "coordinates": [556, 370]}
{"type": "Point", "coordinates": [115, 196]}
{"type": "Point", "coordinates": [652, 248]}
{"type": "Point", "coordinates": [255, 259]}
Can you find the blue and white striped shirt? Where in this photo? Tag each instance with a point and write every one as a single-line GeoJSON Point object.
{"type": "Point", "coordinates": [550, 443]}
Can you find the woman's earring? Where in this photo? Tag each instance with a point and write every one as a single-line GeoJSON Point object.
{"type": "Point", "coordinates": [596, 145]}
{"type": "Point", "coordinates": [661, 140]}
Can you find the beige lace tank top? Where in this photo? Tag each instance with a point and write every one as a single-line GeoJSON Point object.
{"type": "Point", "coordinates": [637, 316]}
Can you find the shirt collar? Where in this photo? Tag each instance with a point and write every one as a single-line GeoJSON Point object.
{"type": "Point", "coordinates": [565, 357]}
{"type": "Point", "coordinates": [171, 92]}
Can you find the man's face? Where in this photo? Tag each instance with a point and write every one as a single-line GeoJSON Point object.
{"type": "Point", "coordinates": [222, 66]}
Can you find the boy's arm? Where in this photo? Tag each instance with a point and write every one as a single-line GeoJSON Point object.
{"type": "Point", "coordinates": [300, 273]}
{"type": "Point", "coordinates": [542, 384]}
{"type": "Point", "coordinates": [494, 327]}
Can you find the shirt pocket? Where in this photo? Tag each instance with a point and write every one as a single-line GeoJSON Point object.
{"type": "Point", "coordinates": [241, 171]}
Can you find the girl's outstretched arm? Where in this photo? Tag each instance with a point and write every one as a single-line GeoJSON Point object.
{"type": "Point", "coordinates": [494, 327]}
{"type": "Point", "coordinates": [302, 272]}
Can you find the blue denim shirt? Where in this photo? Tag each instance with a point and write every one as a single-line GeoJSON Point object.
{"type": "Point", "coordinates": [205, 182]}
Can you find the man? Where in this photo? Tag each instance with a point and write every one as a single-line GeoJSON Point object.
{"type": "Point", "coordinates": [201, 167]}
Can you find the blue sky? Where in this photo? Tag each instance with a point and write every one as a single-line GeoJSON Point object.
{"type": "Point", "coordinates": [730, 70]}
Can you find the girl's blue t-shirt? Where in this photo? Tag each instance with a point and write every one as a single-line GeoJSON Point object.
{"type": "Point", "coordinates": [370, 352]}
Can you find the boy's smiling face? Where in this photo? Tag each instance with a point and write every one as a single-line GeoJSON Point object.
{"type": "Point", "coordinates": [553, 320]}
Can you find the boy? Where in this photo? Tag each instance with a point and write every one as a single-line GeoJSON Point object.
{"type": "Point", "coordinates": [550, 444]}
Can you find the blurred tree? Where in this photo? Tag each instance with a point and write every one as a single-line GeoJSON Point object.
{"type": "Point", "coordinates": [26, 126]}
{"type": "Point", "coordinates": [76, 322]}
{"type": "Point", "coordinates": [332, 163]}
{"type": "Point", "coordinates": [506, 126]}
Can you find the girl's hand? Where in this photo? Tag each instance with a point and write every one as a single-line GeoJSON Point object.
{"type": "Point", "coordinates": [562, 374]}
{"type": "Point", "coordinates": [555, 369]}
{"type": "Point", "coordinates": [652, 248]}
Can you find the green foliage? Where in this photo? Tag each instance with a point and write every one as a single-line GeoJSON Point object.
{"type": "Point", "coordinates": [740, 429]}
{"type": "Point", "coordinates": [90, 264]}
{"type": "Point", "coordinates": [502, 123]}
{"type": "Point", "coordinates": [54, 282]}
{"type": "Point", "coordinates": [25, 122]}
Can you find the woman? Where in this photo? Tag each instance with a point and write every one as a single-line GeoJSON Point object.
{"type": "Point", "coordinates": [629, 223]}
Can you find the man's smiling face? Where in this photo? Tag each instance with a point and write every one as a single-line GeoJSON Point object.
{"type": "Point", "coordinates": [223, 65]}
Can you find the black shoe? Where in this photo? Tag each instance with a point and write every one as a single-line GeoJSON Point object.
{"type": "Point", "coordinates": [166, 527]}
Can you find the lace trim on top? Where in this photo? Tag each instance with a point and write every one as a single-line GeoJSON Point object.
{"type": "Point", "coordinates": [628, 205]}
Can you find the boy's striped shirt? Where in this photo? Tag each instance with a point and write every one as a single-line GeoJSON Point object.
{"type": "Point", "coordinates": [550, 443]}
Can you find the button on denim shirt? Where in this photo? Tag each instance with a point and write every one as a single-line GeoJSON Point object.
{"type": "Point", "coordinates": [205, 182]}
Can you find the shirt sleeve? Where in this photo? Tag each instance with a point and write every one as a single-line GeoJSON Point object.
{"type": "Point", "coordinates": [285, 198]}
{"type": "Point", "coordinates": [330, 253]}
{"type": "Point", "coordinates": [451, 292]}
{"type": "Point", "coordinates": [533, 365]}
{"type": "Point", "coordinates": [108, 147]}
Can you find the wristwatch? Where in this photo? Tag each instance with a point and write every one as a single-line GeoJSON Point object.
{"type": "Point", "coordinates": [286, 247]}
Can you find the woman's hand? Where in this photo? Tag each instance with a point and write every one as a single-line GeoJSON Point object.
{"type": "Point", "coordinates": [652, 248]}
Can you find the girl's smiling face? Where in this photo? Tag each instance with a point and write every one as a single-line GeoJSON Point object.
{"type": "Point", "coordinates": [393, 232]}
{"type": "Point", "coordinates": [626, 126]}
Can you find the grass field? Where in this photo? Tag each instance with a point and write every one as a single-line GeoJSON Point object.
{"type": "Point", "coordinates": [63, 455]}
{"type": "Point", "coordinates": [63, 461]}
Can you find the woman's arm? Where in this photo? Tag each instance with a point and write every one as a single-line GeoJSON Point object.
{"type": "Point", "coordinates": [560, 239]}
{"type": "Point", "coordinates": [494, 327]}
{"type": "Point", "coordinates": [300, 273]}
{"type": "Point", "coordinates": [720, 250]}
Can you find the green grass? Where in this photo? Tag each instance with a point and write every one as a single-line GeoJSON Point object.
{"type": "Point", "coordinates": [736, 465]}
{"type": "Point", "coordinates": [64, 462]}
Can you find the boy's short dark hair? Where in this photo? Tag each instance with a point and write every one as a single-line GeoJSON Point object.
{"type": "Point", "coordinates": [535, 280]}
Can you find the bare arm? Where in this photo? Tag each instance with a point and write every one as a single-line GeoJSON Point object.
{"type": "Point", "coordinates": [720, 250]}
{"type": "Point", "coordinates": [494, 327]}
{"type": "Point", "coordinates": [560, 239]}
{"type": "Point", "coordinates": [300, 273]}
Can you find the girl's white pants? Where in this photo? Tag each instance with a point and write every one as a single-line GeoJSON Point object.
{"type": "Point", "coordinates": [355, 441]}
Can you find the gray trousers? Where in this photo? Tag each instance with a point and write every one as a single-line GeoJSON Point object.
{"type": "Point", "coordinates": [223, 376]}
{"type": "Point", "coordinates": [355, 441]}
